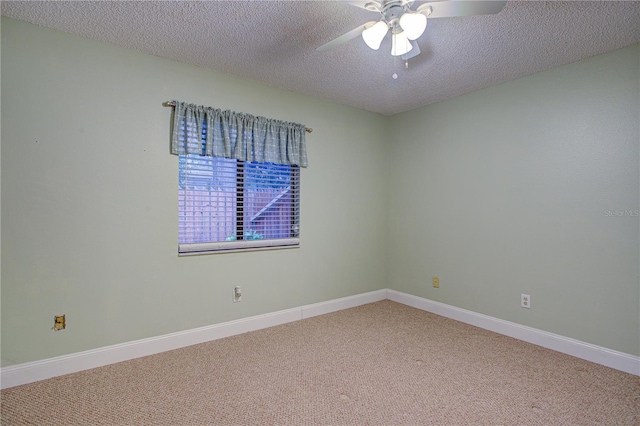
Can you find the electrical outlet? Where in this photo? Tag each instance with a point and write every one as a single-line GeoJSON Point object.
{"type": "Point", "coordinates": [436, 282]}
{"type": "Point", "coordinates": [525, 301]}
{"type": "Point", "coordinates": [237, 294]}
{"type": "Point", "coordinates": [59, 322]}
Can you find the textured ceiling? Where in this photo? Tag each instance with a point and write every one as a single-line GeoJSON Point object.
{"type": "Point", "coordinates": [274, 42]}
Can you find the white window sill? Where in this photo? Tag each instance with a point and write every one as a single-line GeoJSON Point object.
{"type": "Point", "coordinates": [237, 246]}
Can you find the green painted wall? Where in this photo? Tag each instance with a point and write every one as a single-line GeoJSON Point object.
{"type": "Point", "coordinates": [89, 197]}
{"type": "Point", "coordinates": [499, 192]}
{"type": "Point", "coordinates": [527, 187]}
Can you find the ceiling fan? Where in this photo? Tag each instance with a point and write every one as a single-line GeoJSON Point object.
{"type": "Point", "coordinates": [405, 24]}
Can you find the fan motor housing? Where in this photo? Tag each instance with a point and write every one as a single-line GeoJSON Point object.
{"type": "Point", "coordinates": [393, 13]}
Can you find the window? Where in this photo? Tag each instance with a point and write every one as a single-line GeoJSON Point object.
{"type": "Point", "coordinates": [238, 179]}
{"type": "Point", "coordinates": [228, 205]}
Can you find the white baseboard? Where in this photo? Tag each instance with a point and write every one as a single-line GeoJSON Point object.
{"type": "Point", "coordinates": [322, 308]}
{"type": "Point", "coordinates": [21, 374]}
{"type": "Point", "coordinates": [16, 375]}
{"type": "Point", "coordinates": [597, 354]}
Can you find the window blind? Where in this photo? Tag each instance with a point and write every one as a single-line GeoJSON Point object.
{"type": "Point", "coordinates": [229, 204]}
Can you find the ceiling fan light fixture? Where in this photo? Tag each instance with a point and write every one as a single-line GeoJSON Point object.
{"type": "Point", "coordinates": [374, 35]}
{"type": "Point", "coordinates": [413, 24]}
{"type": "Point", "coordinates": [400, 44]}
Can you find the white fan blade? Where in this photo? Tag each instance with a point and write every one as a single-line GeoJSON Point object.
{"type": "Point", "coordinates": [376, 5]}
{"type": "Point", "coordinates": [413, 52]}
{"type": "Point", "coordinates": [362, 4]}
{"type": "Point", "coordinates": [345, 37]}
{"type": "Point", "coordinates": [446, 9]}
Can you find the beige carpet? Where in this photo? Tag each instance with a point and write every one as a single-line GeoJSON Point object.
{"type": "Point", "coordinates": [382, 363]}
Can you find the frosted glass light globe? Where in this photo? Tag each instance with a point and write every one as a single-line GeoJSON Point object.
{"type": "Point", "coordinates": [413, 24]}
{"type": "Point", "coordinates": [373, 36]}
{"type": "Point", "coordinates": [400, 44]}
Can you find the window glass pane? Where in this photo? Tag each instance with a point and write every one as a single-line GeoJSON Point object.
{"type": "Point", "coordinates": [268, 211]}
{"type": "Point", "coordinates": [207, 199]}
{"type": "Point", "coordinates": [224, 200]}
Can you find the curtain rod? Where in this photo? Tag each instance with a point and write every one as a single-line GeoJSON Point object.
{"type": "Point", "coordinates": [173, 104]}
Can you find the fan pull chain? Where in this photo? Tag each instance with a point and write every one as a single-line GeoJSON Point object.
{"type": "Point", "coordinates": [395, 66]}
